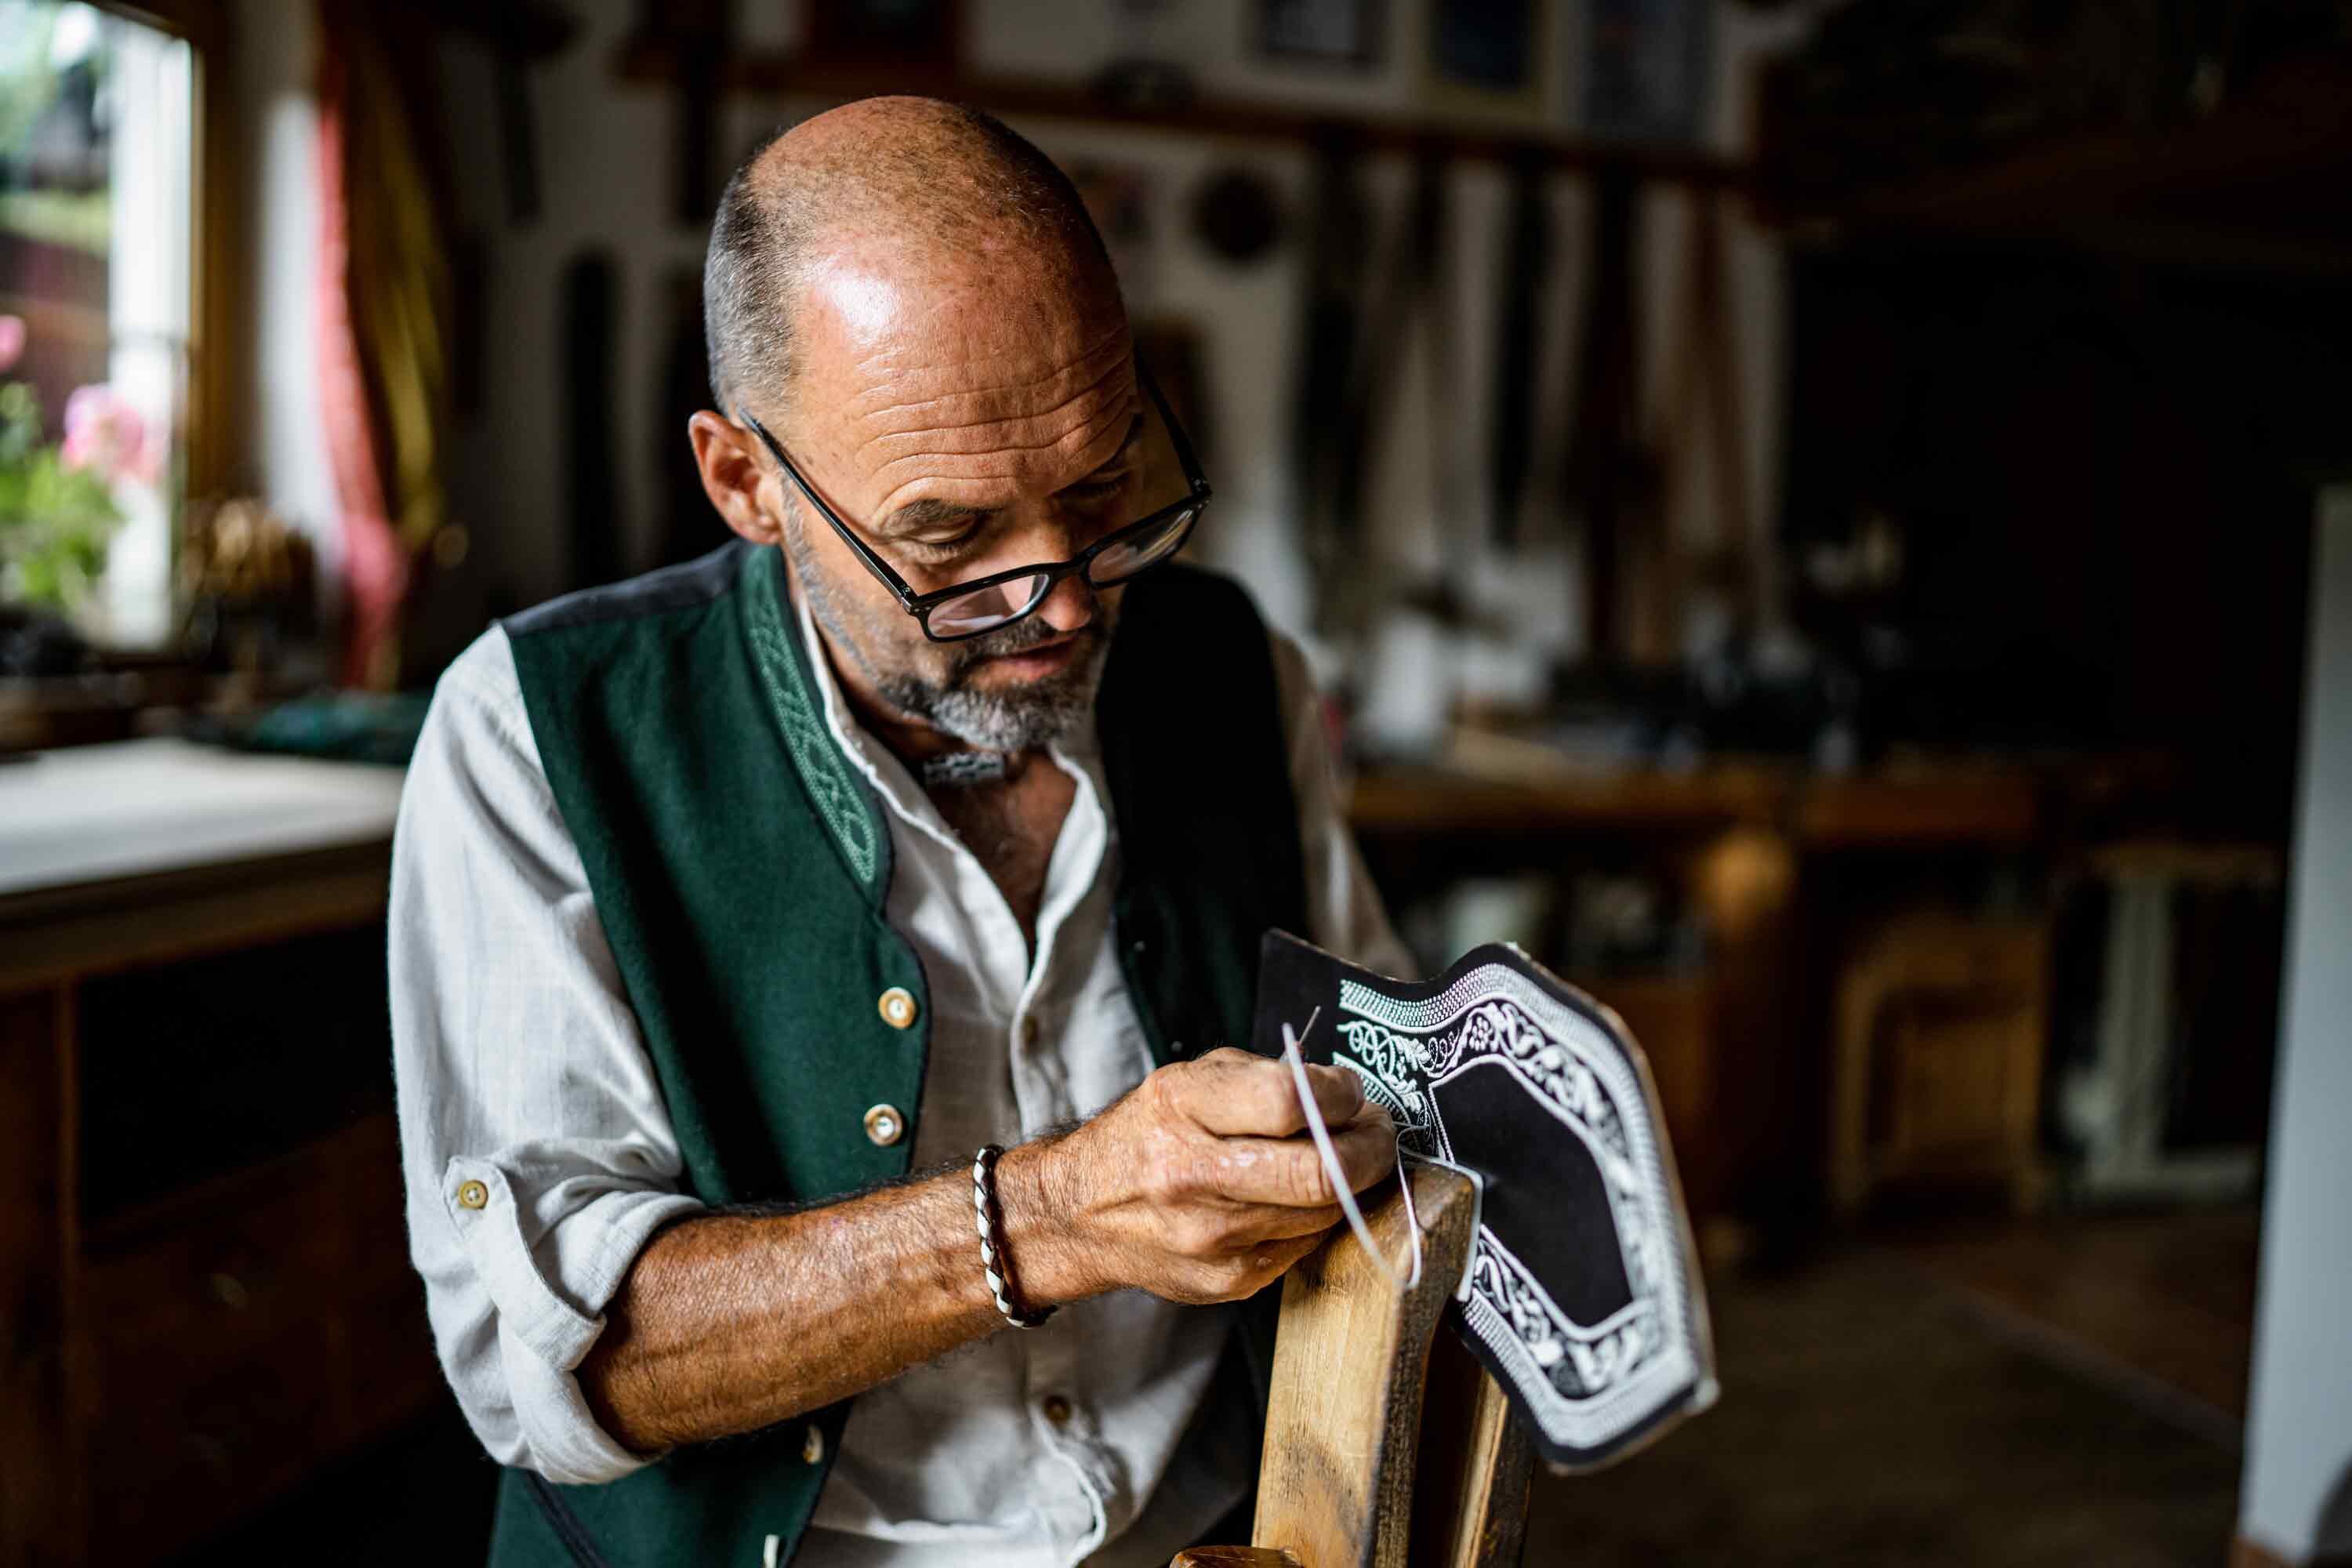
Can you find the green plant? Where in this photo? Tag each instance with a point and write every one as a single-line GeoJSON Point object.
{"type": "Point", "coordinates": [56, 515]}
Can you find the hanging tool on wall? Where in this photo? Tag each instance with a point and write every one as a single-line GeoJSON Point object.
{"type": "Point", "coordinates": [516, 33]}
{"type": "Point", "coordinates": [1339, 233]}
{"type": "Point", "coordinates": [1519, 327]}
{"type": "Point", "coordinates": [1705, 388]}
{"type": "Point", "coordinates": [683, 526]}
{"type": "Point", "coordinates": [1346, 399]}
{"type": "Point", "coordinates": [1409, 299]}
{"type": "Point", "coordinates": [694, 33]}
{"type": "Point", "coordinates": [1611, 479]}
{"type": "Point", "coordinates": [584, 384]}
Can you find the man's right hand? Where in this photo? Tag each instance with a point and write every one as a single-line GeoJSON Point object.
{"type": "Point", "coordinates": [1197, 1186]}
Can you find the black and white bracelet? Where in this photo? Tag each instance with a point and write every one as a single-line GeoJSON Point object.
{"type": "Point", "coordinates": [994, 1260]}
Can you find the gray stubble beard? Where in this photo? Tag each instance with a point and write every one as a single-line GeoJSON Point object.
{"type": "Point", "coordinates": [1018, 719]}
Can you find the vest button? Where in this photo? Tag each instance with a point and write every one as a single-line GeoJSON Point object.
{"type": "Point", "coordinates": [885, 1125]}
{"type": "Point", "coordinates": [896, 1006]}
{"type": "Point", "coordinates": [813, 1446]}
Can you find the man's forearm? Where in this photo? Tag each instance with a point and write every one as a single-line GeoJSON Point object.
{"type": "Point", "coordinates": [1195, 1186]}
{"type": "Point", "coordinates": [727, 1323]}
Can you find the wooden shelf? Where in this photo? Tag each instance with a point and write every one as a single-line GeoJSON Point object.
{"type": "Point", "coordinates": [1921, 807]}
{"type": "Point", "coordinates": [1423, 803]}
{"type": "Point", "coordinates": [2260, 181]}
{"type": "Point", "coordinates": [654, 61]}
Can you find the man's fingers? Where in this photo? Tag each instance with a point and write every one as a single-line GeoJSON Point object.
{"type": "Point", "coordinates": [1236, 1094]}
{"type": "Point", "coordinates": [1277, 1223]}
{"type": "Point", "coordinates": [1289, 1172]}
{"type": "Point", "coordinates": [1338, 1094]}
{"type": "Point", "coordinates": [1367, 1147]}
{"type": "Point", "coordinates": [1274, 1258]}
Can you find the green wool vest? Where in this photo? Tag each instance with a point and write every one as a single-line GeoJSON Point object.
{"type": "Point", "coordinates": [739, 867]}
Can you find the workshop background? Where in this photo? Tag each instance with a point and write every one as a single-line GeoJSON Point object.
{"type": "Point", "coordinates": [1830, 524]}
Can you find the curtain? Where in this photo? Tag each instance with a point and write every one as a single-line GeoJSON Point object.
{"type": "Point", "coordinates": [383, 305]}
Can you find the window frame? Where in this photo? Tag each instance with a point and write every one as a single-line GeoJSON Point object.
{"type": "Point", "coordinates": [215, 352]}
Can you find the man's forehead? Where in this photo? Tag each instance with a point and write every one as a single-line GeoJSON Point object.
{"type": "Point", "coordinates": [884, 350]}
{"type": "Point", "coordinates": [937, 328]}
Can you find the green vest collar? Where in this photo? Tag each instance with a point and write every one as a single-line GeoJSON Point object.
{"type": "Point", "coordinates": [852, 817]}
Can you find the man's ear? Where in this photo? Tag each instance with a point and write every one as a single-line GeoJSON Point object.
{"type": "Point", "coordinates": [733, 476]}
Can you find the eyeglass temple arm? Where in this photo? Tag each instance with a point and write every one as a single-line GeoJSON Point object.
{"type": "Point", "coordinates": [866, 552]}
{"type": "Point", "coordinates": [1185, 457]}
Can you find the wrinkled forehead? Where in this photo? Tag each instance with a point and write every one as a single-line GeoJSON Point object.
{"type": "Point", "coordinates": [1009, 312]}
{"type": "Point", "coordinates": [960, 369]}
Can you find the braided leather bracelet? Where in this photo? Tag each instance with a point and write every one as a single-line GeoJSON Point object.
{"type": "Point", "coordinates": [994, 1260]}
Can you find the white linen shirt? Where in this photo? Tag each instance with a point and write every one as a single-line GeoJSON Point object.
{"type": "Point", "coordinates": [520, 1066]}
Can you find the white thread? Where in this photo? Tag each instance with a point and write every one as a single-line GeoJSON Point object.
{"type": "Point", "coordinates": [1477, 1208]}
{"type": "Point", "coordinates": [1338, 1177]}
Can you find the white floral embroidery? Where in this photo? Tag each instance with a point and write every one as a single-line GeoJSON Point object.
{"type": "Point", "coordinates": [1590, 1384]}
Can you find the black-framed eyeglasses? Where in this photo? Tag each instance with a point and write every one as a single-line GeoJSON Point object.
{"type": "Point", "coordinates": [983, 604]}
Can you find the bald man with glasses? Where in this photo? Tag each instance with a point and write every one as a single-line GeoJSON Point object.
{"type": "Point", "coordinates": [815, 968]}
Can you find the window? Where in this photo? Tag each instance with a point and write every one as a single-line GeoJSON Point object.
{"type": "Point", "coordinates": [97, 116]}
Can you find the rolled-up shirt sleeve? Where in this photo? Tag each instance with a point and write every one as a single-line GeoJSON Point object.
{"type": "Point", "coordinates": [536, 1148]}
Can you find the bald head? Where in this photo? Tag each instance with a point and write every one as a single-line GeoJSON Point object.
{"type": "Point", "coordinates": [914, 185]}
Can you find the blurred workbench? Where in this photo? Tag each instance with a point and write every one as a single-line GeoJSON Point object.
{"type": "Point", "coordinates": [1920, 804]}
{"type": "Point", "coordinates": [203, 1273]}
{"type": "Point", "coordinates": [1756, 849]}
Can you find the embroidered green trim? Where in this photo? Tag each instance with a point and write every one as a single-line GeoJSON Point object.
{"type": "Point", "coordinates": [775, 643]}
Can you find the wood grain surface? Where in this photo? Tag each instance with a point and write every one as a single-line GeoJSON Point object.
{"type": "Point", "coordinates": [1476, 1467]}
{"type": "Point", "coordinates": [1335, 1489]}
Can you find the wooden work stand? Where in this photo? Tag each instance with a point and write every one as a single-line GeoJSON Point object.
{"type": "Point", "coordinates": [1386, 1443]}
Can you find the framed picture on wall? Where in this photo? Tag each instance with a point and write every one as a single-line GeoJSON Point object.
{"type": "Point", "coordinates": [1120, 197]}
{"type": "Point", "coordinates": [1490, 58]}
{"type": "Point", "coordinates": [1332, 32]}
{"type": "Point", "coordinates": [1646, 68]}
{"type": "Point", "coordinates": [868, 32]}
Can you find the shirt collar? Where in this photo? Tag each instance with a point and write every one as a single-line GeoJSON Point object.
{"type": "Point", "coordinates": [1080, 749]}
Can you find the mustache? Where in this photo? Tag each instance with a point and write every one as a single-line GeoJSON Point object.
{"type": "Point", "coordinates": [1018, 637]}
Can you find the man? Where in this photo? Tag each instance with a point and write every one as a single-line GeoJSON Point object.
{"type": "Point", "coordinates": [725, 897]}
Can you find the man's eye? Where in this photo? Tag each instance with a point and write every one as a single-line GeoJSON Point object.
{"type": "Point", "coordinates": [942, 549]}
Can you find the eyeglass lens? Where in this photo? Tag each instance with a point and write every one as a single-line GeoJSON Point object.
{"type": "Point", "coordinates": [983, 609]}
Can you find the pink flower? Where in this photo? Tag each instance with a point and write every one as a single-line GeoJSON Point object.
{"type": "Point", "coordinates": [105, 435]}
{"type": "Point", "coordinates": [12, 340]}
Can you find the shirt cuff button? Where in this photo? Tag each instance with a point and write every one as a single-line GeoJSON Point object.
{"type": "Point", "coordinates": [472, 1195]}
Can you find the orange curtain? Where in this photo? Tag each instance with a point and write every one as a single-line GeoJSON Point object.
{"type": "Point", "coordinates": [384, 310]}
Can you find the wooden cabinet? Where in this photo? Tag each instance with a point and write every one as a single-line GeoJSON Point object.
{"type": "Point", "coordinates": [205, 1291]}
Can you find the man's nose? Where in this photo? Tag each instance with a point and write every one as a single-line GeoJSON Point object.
{"type": "Point", "coordinates": [1070, 605]}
